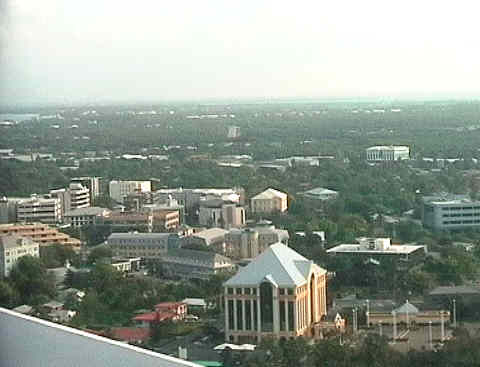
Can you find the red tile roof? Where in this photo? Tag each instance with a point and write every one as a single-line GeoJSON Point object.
{"type": "Point", "coordinates": [130, 334]}
{"type": "Point", "coordinates": [149, 317]}
{"type": "Point", "coordinates": [169, 305]}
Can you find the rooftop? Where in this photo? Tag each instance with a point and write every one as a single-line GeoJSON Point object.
{"type": "Point", "coordinates": [93, 210]}
{"type": "Point", "coordinates": [363, 249]}
{"type": "Point", "coordinates": [211, 233]}
{"type": "Point", "coordinates": [74, 348]}
{"type": "Point", "coordinates": [270, 194]}
{"type": "Point", "coordinates": [278, 264]}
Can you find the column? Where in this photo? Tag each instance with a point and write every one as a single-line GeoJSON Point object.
{"type": "Point", "coordinates": [295, 316]}
{"type": "Point", "coordinates": [227, 327]}
{"type": "Point", "coordinates": [235, 321]}
{"type": "Point", "coordinates": [251, 314]}
{"type": "Point", "coordinates": [276, 312]}
{"type": "Point", "coordinates": [259, 313]}
{"type": "Point", "coordinates": [244, 327]}
{"type": "Point", "coordinates": [286, 316]}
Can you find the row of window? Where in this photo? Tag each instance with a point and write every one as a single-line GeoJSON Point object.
{"type": "Point", "coordinates": [462, 215]}
{"type": "Point", "coordinates": [461, 222]}
{"type": "Point", "coordinates": [253, 291]}
{"type": "Point", "coordinates": [461, 208]}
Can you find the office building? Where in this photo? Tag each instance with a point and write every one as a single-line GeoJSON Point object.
{"type": "Point", "coordinates": [447, 211]}
{"type": "Point", "coordinates": [218, 213]}
{"type": "Point", "coordinates": [12, 248]}
{"type": "Point", "coordinates": [91, 183]}
{"type": "Point", "coordinates": [279, 294]}
{"type": "Point", "coordinates": [148, 246]}
{"type": "Point", "coordinates": [388, 153]}
{"type": "Point", "coordinates": [38, 209]}
{"type": "Point", "coordinates": [248, 243]}
{"type": "Point", "coordinates": [118, 190]}
{"type": "Point", "coordinates": [86, 216]}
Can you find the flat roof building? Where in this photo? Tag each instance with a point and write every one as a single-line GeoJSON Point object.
{"type": "Point", "coordinates": [12, 248]}
{"type": "Point", "coordinates": [447, 211]}
{"type": "Point", "coordinates": [388, 153]}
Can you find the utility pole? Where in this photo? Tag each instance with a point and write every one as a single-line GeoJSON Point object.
{"type": "Point", "coordinates": [443, 326]}
{"type": "Point", "coordinates": [380, 328]}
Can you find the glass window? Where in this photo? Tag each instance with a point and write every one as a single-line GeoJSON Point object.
{"type": "Point", "coordinates": [246, 291]}
{"type": "Point", "coordinates": [266, 306]}
{"type": "Point", "coordinates": [230, 290]}
{"type": "Point", "coordinates": [254, 291]}
{"type": "Point", "coordinates": [282, 291]}
{"type": "Point", "coordinates": [282, 316]}
{"type": "Point", "coordinates": [239, 315]}
{"type": "Point", "coordinates": [290, 291]}
{"type": "Point", "coordinates": [248, 316]}
{"type": "Point", "coordinates": [230, 325]}
{"type": "Point", "coordinates": [290, 315]}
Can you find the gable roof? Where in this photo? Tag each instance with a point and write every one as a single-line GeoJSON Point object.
{"type": "Point", "coordinates": [270, 194]}
{"type": "Point", "coordinates": [407, 308]}
{"type": "Point", "coordinates": [279, 265]}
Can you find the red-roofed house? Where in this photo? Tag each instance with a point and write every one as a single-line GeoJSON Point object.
{"type": "Point", "coordinates": [163, 311]}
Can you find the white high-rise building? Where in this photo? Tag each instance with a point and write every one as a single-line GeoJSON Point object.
{"type": "Point", "coordinates": [37, 209]}
{"type": "Point", "coordinates": [12, 248]}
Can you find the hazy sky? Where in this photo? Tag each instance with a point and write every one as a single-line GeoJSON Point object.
{"type": "Point", "coordinates": [106, 50]}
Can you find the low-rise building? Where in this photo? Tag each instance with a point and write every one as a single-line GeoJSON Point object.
{"type": "Point", "coordinates": [41, 233]}
{"type": "Point", "coordinates": [375, 247]}
{"type": "Point", "coordinates": [269, 201]}
{"type": "Point", "coordinates": [212, 237]}
{"type": "Point", "coordinates": [388, 153]}
{"type": "Point", "coordinates": [193, 264]}
{"type": "Point", "coordinates": [321, 194]}
{"type": "Point", "coordinates": [144, 245]}
{"type": "Point", "coordinates": [14, 247]}
{"type": "Point", "coordinates": [86, 216]}
{"type": "Point", "coordinates": [279, 294]}
{"type": "Point", "coordinates": [165, 311]}
{"type": "Point", "coordinates": [448, 211]}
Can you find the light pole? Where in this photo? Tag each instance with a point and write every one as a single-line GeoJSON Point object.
{"type": "Point", "coordinates": [380, 327]}
{"type": "Point", "coordinates": [394, 326]}
{"type": "Point", "coordinates": [443, 326]}
{"type": "Point", "coordinates": [408, 324]}
{"type": "Point", "coordinates": [430, 338]}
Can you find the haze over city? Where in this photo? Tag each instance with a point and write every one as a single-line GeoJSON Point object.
{"type": "Point", "coordinates": [67, 52]}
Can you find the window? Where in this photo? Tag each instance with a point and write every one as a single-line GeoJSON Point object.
{"type": "Point", "coordinates": [230, 325]}
{"type": "Point", "coordinates": [282, 291]}
{"type": "Point", "coordinates": [239, 315]}
{"type": "Point", "coordinates": [290, 315]}
{"type": "Point", "coordinates": [254, 291]}
{"type": "Point", "coordinates": [290, 291]}
{"type": "Point", "coordinates": [248, 315]}
{"type": "Point", "coordinates": [282, 316]}
{"type": "Point", "coordinates": [246, 291]}
{"type": "Point", "coordinates": [230, 290]}
{"type": "Point", "coordinates": [266, 306]}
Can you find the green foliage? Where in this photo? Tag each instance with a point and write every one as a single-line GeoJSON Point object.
{"type": "Point", "coordinates": [32, 281]}
{"type": "Point", "coordinates": [98, 253]}
{"type": "Point", "coordinates": [55, 255]}
{"type": "Point", "coordinates": [8, 294]}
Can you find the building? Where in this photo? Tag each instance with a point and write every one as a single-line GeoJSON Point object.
{"type": "Point", "coordinates": [321, 194]}
{"type": "Point", "coordinates": [145, 245]}
{"type": "Point", "coordinates": [409, 315]}
{"type": "Point", "coordinates": [91, 183]}
{"type": "Point", "coordinates": [388, 153]}
{"type": "Point", "coordinates": [126, 265]}
{"type": "Point", "coordinates": [212, 237]}
{"type": "Point", "coordinates": [151, 220]}
{"type": "Point", "coordinates": [8, 210]}
{"type": "Point", "coordinates": [79, 196]}
{"type": "Point", "coordinates": [118, 190]}
{"type": "Point", "coordinates": [279, 294]}
{"type": "Point", "coordinates": [165, 311]}
{"type": "Point", "coordinates": [86, 216]}
{"type": "Point", "coordinates": [248, 243]}
{"type": "Point", "coordinates": [43, 234]}
{"type": "Point", "coordinates": [443, 212]}
{"type": "Point", "coordinates": [73, 347]}
{"type": "Point", "coordinates": [190, 198]}
{"type": "Point", "coordinates": [14, 247]}
{"type": "Point", "coordinates": [217, 213]}
{"type": "Point", "coordinates": [38, 209]}
{"type": "Point", "coordinates": [375, 247]}
{"type": "Point", "coordinates": [269, 201]}
{"type": "Point", "coordinates": [233, 132]}
{"type": "Point", "coordinates": [193, 264]}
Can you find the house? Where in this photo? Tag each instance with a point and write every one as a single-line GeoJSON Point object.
{"type": "Point", "coordinates": [278, 294]}
{"type": "Point", "coordinates": [269, 201]}
{"type": "Point", "coordinates": [165, 311]}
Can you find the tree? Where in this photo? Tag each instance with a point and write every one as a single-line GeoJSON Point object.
{"type": "Point", "coordinates": [31, 279]}
{"type": "Point", "coordinates": [98, 253]}
{"type": "Point", "coordinates": [8, 295]}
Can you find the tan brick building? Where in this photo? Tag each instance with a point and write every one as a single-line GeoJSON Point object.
{"type": "Point", "coordinates": [279, 294]}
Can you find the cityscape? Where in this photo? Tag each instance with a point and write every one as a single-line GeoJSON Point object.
{"type": "Point", "coordinates": [243, 185]}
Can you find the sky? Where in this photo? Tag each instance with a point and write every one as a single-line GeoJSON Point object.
{"type": "Point", "coordinates": [57, 51]}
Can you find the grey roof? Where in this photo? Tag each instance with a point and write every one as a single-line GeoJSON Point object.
{"type": "Point", "coordinates": [136, 235]}
{"type": "Point", "coordinates": [278, 264]}
{"type": "Point", "coordinates": [204, 256]}
{"type": "Point", "coordinates": [320, 191]}
{"type": "Point", "coordinates": [29, 341]}
{"type": "Point", "coordinates": [445, 291]}
{"type": "Point", "coordinates": [92, 210]}
{"type": "Point", "coordinates": [406, 308]}
{"type": "Point", "coordinates": [11, 241]}
{"type": "Point", "coordinates": [211, 234]}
